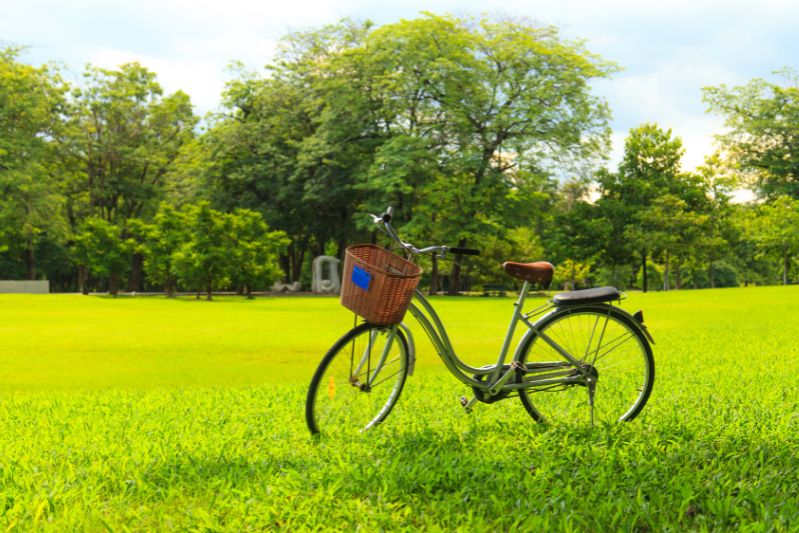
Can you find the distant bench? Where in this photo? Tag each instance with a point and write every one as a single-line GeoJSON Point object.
{"type": "Point", "coordinates": [24, 287]}
{"type": "Point", "coordinates": [493, 290]}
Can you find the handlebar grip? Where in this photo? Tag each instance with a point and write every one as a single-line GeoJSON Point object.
{"type": "Point", "coordinates": [464, 251]}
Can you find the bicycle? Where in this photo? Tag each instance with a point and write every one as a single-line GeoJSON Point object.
{"type": "Point", "coordinates": [582, 351]}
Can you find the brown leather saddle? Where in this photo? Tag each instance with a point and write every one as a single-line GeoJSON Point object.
{"type": "Point", "coordinates": [540, 272]}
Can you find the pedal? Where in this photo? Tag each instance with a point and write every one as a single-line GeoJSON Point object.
{"type": "Point", "coordinates": [467, 403]}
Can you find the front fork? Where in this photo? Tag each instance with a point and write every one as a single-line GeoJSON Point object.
{"type": "Point", "coordinates": [365, 359]}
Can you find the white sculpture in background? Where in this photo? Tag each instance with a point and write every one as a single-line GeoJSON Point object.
{"type": "Point", "coordinates": [326, 284]}
{"type": "Point", "coordinates": [279, 286]}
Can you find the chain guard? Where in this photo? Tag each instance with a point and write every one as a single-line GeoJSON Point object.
{"type": "Point", "coordinates": [482, 394]}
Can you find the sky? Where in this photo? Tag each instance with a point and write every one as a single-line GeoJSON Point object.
{"type": "Point", "coordinates": [668, 50]}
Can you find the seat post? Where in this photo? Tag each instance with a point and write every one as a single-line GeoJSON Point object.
{"type": "Point", "coordinates": [517, 311]}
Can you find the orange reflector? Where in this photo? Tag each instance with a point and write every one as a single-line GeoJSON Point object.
{"type": "Point", "coordinates": [331, 387]}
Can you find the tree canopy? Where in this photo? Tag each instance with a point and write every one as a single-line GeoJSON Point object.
{"type": "Point", "coordinates": [763, 136]}
{"type": "Point", "coordinates": [481, 132]}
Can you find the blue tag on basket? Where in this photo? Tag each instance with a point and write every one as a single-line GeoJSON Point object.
{"type": "Point", "coordinates": [360, 277]}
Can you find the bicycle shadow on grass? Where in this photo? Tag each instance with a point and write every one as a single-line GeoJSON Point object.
{"type": "Point", "coordinates": [654, 472]}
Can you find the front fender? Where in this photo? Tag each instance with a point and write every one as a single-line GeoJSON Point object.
{"type": "Point", "coordinates": [411, 347]}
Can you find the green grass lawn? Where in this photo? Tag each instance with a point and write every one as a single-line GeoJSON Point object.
{"type": "Point", "coordinates": [146, 413]}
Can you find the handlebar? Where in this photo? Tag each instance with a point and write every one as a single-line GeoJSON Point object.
{"type": "Point", "coordinates": [384, 221]}
{"type": "Point", "coordinates": [464, 251]}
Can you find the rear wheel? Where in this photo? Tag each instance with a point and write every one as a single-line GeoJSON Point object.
{"type": "Point", "coordinates": [358, 381]}
{"type": "Point", "coordinates": [615, 361]}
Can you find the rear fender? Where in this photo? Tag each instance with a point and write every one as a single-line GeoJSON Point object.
{"type": "Point", "coordinates": [639, 319]}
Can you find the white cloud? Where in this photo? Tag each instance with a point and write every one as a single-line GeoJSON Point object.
{"type": "Point", "coordinates": [670, 96]}
{"type": "Point", "coordinates": [670, 48]}
{"type": "Point", "coordinates": [202, 80]}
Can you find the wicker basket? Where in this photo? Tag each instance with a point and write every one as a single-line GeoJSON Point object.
{"type": "Point", "coordinates": [377, 284]}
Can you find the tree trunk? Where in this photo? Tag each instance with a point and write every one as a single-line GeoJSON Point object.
{"type": "Point", "coordinates": [786, 263]}
{"type": "Point", "coordinates": [208, 292]}
{"type": "Point", "coordinates": [113, 285]}
{"type": "Point", "coordinates": [30, 260]}
{"type": "Point", "coordinates": [712, 273]}
{"type": "Point", "coordinates": [285, 265]}
{"type": "Point", "coordinates": [169, 289]}
{"type": "Point", "coordinates": [135, 283]}
{"type": "Point", "coordinates": [248, 292]}
{"type": "Point", "coordinates": [678, 276]}
{"type": "Point", "coordinates": [318, 248]}
{"type": "Point", "coordinates": [666, 274]}
{"type": "Point", "coordinates": [455, 272]}
{"type": "Point", "coordinates": [645, 281]}
{"type": "Point", "coordinates": [574, 276]}
{"type": "Point", "coordinates": [82, 275]}
{"type": "Point", "coordinates": [614, 275]}
{"type": "Point", "coordinates": [433, 277]}
{"type": "Point", "coordinates": [454, 276]}
{"type": "Point", "coordinates": [296, 256]}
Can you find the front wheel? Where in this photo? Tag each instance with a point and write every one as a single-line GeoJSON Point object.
{"type": "Point", "coordinates": [358, 381]}
{"type": "Point", "coordinates": [616, 366]}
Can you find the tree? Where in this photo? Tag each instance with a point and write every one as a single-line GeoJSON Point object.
{"type": "Point", "coordinates": [776, 231]}
{"type": "Point", "coordinates": [763, 136]}
{"type": "Point", "coordinates": [100, 247]}
{"type": "Point", "coordinates": [203, 262]}
{"type": "Point", "coordinates": [256, 250]}
{"type": "Point", "coordinates": [672, 230]}
{"type": "Point", "coordinates": [498, 100]}
{"type": "Point", "coordinates": [720, 231]}
{"type": "Point", "coordinates": [159, 242]}
{"type": "Point", "coordinates": [574, 235]}
{"type": "Point", "coordinates": [288, 145]}
{"type": "Point", "coordinates": [31, 203]}
{"type": "Point", "coordinates": [129, 133]}
{"type": "Point", "coordinates": [450, 120]}
{"type": "Point", "coordinates": [649, 169]}
{"type": "Point", "coordinates": [125, 135]}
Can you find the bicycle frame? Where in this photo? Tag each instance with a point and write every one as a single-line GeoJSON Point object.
{"type": "Point", "coordinates": [565, 347]}
{"type": "Point", "coordinates": [498, 376]}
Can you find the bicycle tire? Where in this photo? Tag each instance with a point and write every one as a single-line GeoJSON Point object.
{"type": "Point", "coordinates": [617, 350]}
{"type": "Point", "coordinates": [340, 402]}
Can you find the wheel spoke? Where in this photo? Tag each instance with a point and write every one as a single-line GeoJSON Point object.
{"type": "Point", "coordinates": [611, 350]}
{"type": "Point", "coordinates": [341, 400]}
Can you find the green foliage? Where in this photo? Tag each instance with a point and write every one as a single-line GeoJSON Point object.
{"type": "Point", "coordinates": [571, 275]}
{"type": "Point", "coordinates": [209, 250]}
{"type": "Point", "coordinates": [202, 262]}
{"type": "Point", "coordinates": [159, 242]}
{"type": "Point", "coordinates": [255, 251]}
{"type": "Point", "coordinates": [475, 129]}
{"type": "Point", "coordinates": [125, 135]}
{"type": "Point", "coordinates": [453, 121]}
{"type": "Point", "coordinates": [31, 201]}
{"type": "Point", "coordinates": [519, 244]}
{"type": "Point", "coordinates": [100, 247]}
{"type": "Point", "coordinates": [763, 138]}
{"type": "Point", "coordinates": [651, 206]}
{"type": "Point", "coordinates": [775, 231]}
